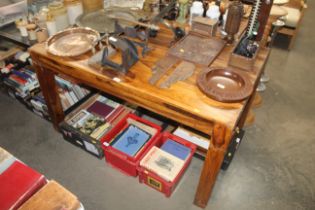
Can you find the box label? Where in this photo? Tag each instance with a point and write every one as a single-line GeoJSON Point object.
{"type": "Point", "coordinates": [91, 148]}
{"type": "Point", "coordinates": [154, 183]}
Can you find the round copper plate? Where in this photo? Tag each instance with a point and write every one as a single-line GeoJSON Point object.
{"type": "Point", "coordinates": [225, 85]}
{"type": "Point", "coordinates": [72, 42]}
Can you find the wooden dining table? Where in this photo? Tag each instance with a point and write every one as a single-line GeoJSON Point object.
{"type": "Point", "coordinates": [183, 102]}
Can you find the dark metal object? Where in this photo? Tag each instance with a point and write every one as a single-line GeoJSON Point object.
{"type": "Point", "coordinates": [12, 34]}
{"type": "Point", "coordinates": [246, 47]}
{"type": "Point", "coordinates": [183, 71]}
{"type": "Point", "coordinates": [263, 16]}
{"type": "Point", "coordinates": [177, 32]}
{"type": "Point", "coordinates": [161, 68]}
{"type": "Point", "coordinates": [130, 31]}
{"type": "Point", "coordinates": [225, 85]}
{"type": "Point", "coordinates": [129, 54]}
{"type": "Point", "coordinates": [234, 145]}
{"type": "Point", "coordinates": [255, 29]}
{"type": "Point", "coordinates": [197, 49]}
{"type": "Point", "coordinates": [233, 21]}
{"type": "Point", "coordinates": [258, 19]}
{"type": "Point", "coordinates": [164, 12]}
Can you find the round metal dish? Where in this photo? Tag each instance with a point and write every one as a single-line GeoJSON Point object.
{"type": "Point", "coordinates": [103, 22]}
{"type": "Point", "coordinates": [225, 85]}
{"type": "Point", "coordinates": [72, 42]}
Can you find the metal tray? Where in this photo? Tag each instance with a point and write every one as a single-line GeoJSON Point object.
{"type": "Point", "coordinates": [101, 21]}
{"type": "Point", "coordinates": [197, 49]}
{"type": "Point", "coordinates": [72, 42]}
{"type": "Point", "coordinates": [225, 85]}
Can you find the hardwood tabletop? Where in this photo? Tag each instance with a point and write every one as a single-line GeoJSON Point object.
{"type": "Point", "coordinates": [183, 101]}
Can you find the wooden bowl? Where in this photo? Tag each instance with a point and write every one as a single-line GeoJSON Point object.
{"type": "Point", "coordinates": [225, 85]}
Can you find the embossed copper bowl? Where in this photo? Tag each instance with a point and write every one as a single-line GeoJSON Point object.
{"type": "Point", "coordinates": [225, 85]}
{"type": "Point", "coordinates": [72, 42]}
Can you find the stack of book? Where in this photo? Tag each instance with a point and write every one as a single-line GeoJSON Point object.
{"type": "Point", "coordinates": [97, 117]}
{"type": "Point", "coordinates": [70, 93]}
{"type": "Point", "coordinates": [133, 137]}
{"type": "Point", "coordinates": [39, 105]}
{"type": "Point", "coordinates": [23, 82]}
{"type": "Point", "coordinates": [18, 61]}
{"type": "Point", "coordinates": [166, 161]}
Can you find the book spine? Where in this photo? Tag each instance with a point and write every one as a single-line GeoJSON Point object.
{"type": "Point", "coordinates": [30, 73]}
{"type": "Point", "coordinates": [115, 113]}
{"type": "Point", "coordinates": [73, 96]}
{"type": "Point", "coordinates": [64, 101]}
{"type": "Point", "coordinates": [64, 82]}
{"type": "Point", "coordinates": [76, 92]}
{"type": "Point", "coordinates": [37, 105]}
{"type": "Point", "coordinates": [67, 95]}
{"type": "Point", "coordinates": [17, 79]}
{"type": "Point", "coordinates": [40, 98]}
{"type": "Point", "coordinates": [22, 75]}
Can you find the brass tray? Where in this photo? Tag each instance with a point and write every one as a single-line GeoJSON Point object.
{"type": "Point", "coordinates": [225, 85]}
{"type": "Point", "coordinates": [72, 42]}
{"type": "Point", "coordinates": [102, 22]}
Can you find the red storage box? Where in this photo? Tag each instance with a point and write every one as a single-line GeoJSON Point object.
{"type": "Point", "coordinates": [17, 184]}
{"type": "Point", "coordinates": [155, 181]}
{"type": "Point", "coordinates": [125, 163]}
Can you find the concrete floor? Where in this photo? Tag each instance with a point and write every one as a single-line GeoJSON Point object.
{"type": "Point", "coordinates": [273, 169]}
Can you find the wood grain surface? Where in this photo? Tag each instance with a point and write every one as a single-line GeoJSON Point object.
{"type": "Point", "coordinates": [184, 97]}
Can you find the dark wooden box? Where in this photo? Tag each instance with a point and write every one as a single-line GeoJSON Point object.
{"type": "Point", "coordinates": [242, 62]}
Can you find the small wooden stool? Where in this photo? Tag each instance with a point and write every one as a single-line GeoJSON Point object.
{"type": "Point", "coordinates": [51, 197]}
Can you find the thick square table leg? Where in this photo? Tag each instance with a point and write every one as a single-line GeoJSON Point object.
{"type": "Point", "coordinates": [48, 86]}
{"type": "Point", "coordinates": [220, 140]}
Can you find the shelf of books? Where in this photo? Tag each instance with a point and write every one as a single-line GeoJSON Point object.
{"type": "Point", "coordinates": [19, 81]}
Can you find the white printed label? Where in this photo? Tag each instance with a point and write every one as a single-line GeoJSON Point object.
{"type": "Point", "coordinates": [91, 148]}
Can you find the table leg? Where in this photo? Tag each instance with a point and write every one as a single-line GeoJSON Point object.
{"type": "Point", "coordinates": [220, 140]}
{"type": "Point", "coordinates": [48, 86]}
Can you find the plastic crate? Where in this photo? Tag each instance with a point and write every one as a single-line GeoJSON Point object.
{"type": "Point", "coordinates": [155, 181]}
{"type": "Point", "coordinates": [83, 141]}
{"type": "Point", "coordinates": [119, 160]}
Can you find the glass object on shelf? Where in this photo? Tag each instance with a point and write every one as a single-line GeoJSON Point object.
{"type": "Point", "coordinates": [59, 12]}
{"type": "Point", "coordinates": [36, 5]}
